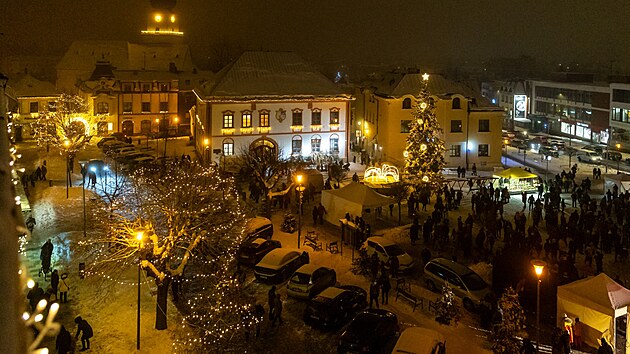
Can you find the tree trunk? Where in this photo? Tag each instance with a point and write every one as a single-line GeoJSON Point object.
{"type": "Point", "coordinates": [399, 213]}
{"type": "Point", "coordinates": [160, 307]}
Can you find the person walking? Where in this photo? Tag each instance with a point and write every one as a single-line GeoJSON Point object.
{"type": "Point", "coordinates": [414, 231]}
{"type": "Point", "coordinates": [604, 347]}
{"type": "Point", "coordinates": [34, 296]}
{"type": "Point", "coordinates": [277, 311]}
{"type": "Point", "coordinates": [374, 293]}
{"type": "Point", "coordinates": [84, 328]}
{"type": "Point", "coordinates": [63, 288]}
{"type": "Point", "coordinates": [44, 171]}
{"type": "Point", "coordinates": [578, 329]}
{"type": "Point", "coordinates": [271, 301]}
{"type": "Point", "coordinates": [386, 286]}
{"type": "Point", "coordinates": [54, 281]}
{"type": "Point", "coordinates": [322, 211]}
{"type": "Point", "coordinates": [259, 312]}
{"type": "Point", "coordinates": [315, 215]}
{"type": "Point", "coordinates": [63, 343]}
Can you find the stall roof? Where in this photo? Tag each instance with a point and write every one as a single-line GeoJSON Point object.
{"type": "Point", "coordinates": [515, 172]}
{"type": "Point", "coordinates": [361, 194]}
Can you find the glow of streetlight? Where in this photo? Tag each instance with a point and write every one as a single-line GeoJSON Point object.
{"type": "Point", "coordinates": [539, 266]}
{"type": "Point", "coordinates": [618, 146]}
{"type": "Point", "coordinates": [66, 143]}
{"type": "Point", "coordinates": [157, 120]}
{"type": "Point", "coordinates": [139, 234]}
{"type": "Point", "coordinates": [299, 178]}
{"type": "Point", "coordinates": [206, 142]}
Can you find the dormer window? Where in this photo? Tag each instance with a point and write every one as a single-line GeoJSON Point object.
{"type": "Point", "coordinates": [456, 103]}
{"type": "Point", "coordinates": [406, 104]}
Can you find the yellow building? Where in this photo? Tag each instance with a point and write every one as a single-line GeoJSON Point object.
{"type": "Point", "coordinates": [471, 125]}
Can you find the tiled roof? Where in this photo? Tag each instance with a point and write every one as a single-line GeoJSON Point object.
{"type": "Point", "coordinates": [29, 86]}
{"type": "Point", "coordinates": [270, 74]}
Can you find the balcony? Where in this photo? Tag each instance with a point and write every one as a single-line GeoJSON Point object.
{"type": "Point", "coordinates": [296, 128]}
{"type": "Point", "coordinates": [316, 128]}
{"type": "Point", "coordinates": [247, 130]}
{"type": "Point", "coordinates": [227, 131]}
{"type": "Point", "coordinates": [334, 127]}
{"type": "Point", "coordinates": [264, 130]}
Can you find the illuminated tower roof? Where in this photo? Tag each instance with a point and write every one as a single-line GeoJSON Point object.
{"type": "Point", "coordinates": [162, 21]}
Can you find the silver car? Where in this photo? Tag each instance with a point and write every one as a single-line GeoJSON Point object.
{"type": "Point", "coordinates": [465, 283]}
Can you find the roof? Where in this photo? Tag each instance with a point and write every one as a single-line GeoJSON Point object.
{"type": "Point", "coordinates": [273, 259]}
{"type": "Point", "coordinates": [361, 194]}
{"type": "Point", "coordinates": [265, 75]}
{"type": "Point", "coordinates": [308, 268]}
{"type": "Point", "coordinates": [515, 172]}
{"type": "Point", "coordinates": [29, 86]}
{"type": "Point", "coordinates": [599, 292]}
{"type": "Point", "coordinates": [454, 266]}
{"type": "Point", "coordinates": [331, 292]}
{"type": "Point", "coordinates": [417, 340]}
{"type": "Point", "coordinates": [381, 240]}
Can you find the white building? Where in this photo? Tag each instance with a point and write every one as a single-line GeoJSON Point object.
{"type": "Point", "coordinates": [274, 100]}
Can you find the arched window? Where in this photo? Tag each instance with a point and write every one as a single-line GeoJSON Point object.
{"type": "Point", "coordinates": [456, 103]}
{"type": "Point", "coordinates": [406, 103]}
{"type": "Point", "coordinates": [316, 143]}
{"type": "Point", "coordinates": [296, 145]}
{"type": "Point", "coordinates": [334, 143]}
{"type": "Point", "coordinates": [228, 147]}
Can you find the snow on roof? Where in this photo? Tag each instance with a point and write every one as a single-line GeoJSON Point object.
{"type": "Point", "coordinates": [277, 257]}
{"type": "Point", "coordinates": [417, 340]}
{"type": "Point", "coordinates": [29, 86]}
{"type": "Point", "coordinates": [599, 292]}
{"type": "Point", "coordinates": [255, 223]}
{"type": "Point", "coordinates": [270, 74]}
{"type": "Point", "coordinates": [308, 268]}
{"type": "Point", "coordinates": [331, 292]}
{"type": "Point", "coordinates": [361, 194]}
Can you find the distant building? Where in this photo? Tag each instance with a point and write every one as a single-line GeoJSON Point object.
{"type": "Point", "coordinates": [576, 110]}
{"type": "Point", "coordinates": [32, 97]}
{"type": "Point", "coordinates": [271, 100]}
{"type": "Point", "coordinates": [512, 96]}
{"type": "Point", "coordinates": [471, 124]}
{"type": "Point", "coordinates": [620, 114]}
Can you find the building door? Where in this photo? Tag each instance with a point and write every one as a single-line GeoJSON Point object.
{"type": "Point", "coordinates": [127, 127]}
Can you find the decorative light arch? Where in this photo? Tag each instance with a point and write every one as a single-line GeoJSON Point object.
{"type": "Point", "coordinates": [383, 175]}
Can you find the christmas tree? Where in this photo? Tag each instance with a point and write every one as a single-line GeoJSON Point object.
{"type": "Point", "coordinates": [446, 308]}
{"type": "Point", "coordinates": [504, 338]}
{"type": "Point", "coordinates": [424, 155]}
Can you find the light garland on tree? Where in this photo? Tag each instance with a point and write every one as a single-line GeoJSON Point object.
{"type": "Point", "coordinates": [424, 153]}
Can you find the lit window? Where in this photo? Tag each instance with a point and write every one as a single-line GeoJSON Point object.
{"type": "Point", "coordinates": [483, 150]}
{"type": "Point", "coordinates": [334, 116]}
{"type": "Point", "coordinates": [246, 119]}
{"type": "Point", "coordinates": [296, 145]}
{"type": "Point", "coordinates": [264, 119]}
{"type": "Point", "coordinates": [297, 117]}
{"type": "Point", "coordinates": [228, 147]}
{"type": "Point", "coordinates": [456, 151]}
{"type": "Point", "coordinates": [102, 108]}
{"type": "Point", "coordinates": [228, 120]}
{"type": "Point", "coordinates": [316, 117]}
{"type": "Point", "coordinates": [334, 143]}
{"type": "Point", "coordinates": [316, 142]}
{"type": "Point", "coordinates": [406, 104]}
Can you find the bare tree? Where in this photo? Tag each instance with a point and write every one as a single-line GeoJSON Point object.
{"type": "Point", "coordinates": [168, 215]}
{"type": "Point", "coordinates": [337, 173]}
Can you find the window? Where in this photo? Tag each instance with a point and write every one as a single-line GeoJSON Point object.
{"type": "Point", "coordinates": [405, 126]}
{"type": "Point", "coordinates": [264, 119]}
{"type": "Point", "coordinates": [297, 117]}
{"type": "Point", "coordinates": [334, 143]}
{"type": "Point", "coordinates": [228, 120]}
{"type": "Point", "coordinates": [406, 103]}
{"type": "Point", "coordinates": [163, 107]}
{"type": "Point", "coordinates": [456, 103]}
{"type": "Point", "coordinates": [316, 117]}
{"type": "Point", "coordinates": [146, 107]}
{"type": "Point", "coordinates": [228, 147]}
{"type": "Point", "coordinates": [52, 106]}
{"type": "Point", "coordinates": [456, 151]}
{"type": "Point", "coordinates": [334, 116]}
{"type": "Point", "coordinates": [34, 107]}
{"type": "Point", "coordinates": [127, 87]}
{"type": "Point", "coordinates": [164, 87]}
{"type": "Point", "coordinates": [456, 126]}
{"type": "Point", "coordinates": [484, 125]}
{"type": "Point", "coordinates": [316, 142]}
{"type": "Point", "coordinates": [146, 87]}
{"type": "Point", "coordinates": [296, 145]}
{"type": "Point", "coordinates": [246, 119]}
{"type": "Point", "coordinates": [483, 150]}
{"type": "Point", "coordinates": [127, 107]}
{"type": "Point", "coordinates": [187, 82]}
{"type": "Point", "coordinates": [102, 108]}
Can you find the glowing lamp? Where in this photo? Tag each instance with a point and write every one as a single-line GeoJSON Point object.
{"type": "Point", "coordinates": [505, 141]}
{"type": "Point", "coordinates": [157, 120]}
{"type": "Point", "coordinates": [425, 77]}
{"type": "Point", "coordinates": [176, 119]}
{"type": "Point", "coordinates": [420, 121]}
{"type": "Point", "coordinates": [158, 18]}
{"type": "Point", "coordinates": [139, 234]}
{"type": "Point", "coordinates": [105, 168]}
{"type": "Point", "coordinates": [93, 169]}
{"type": "Point", "coordinates": [618, 146]}
{"type": "Point", "coordinates": [299, 178]}
{"type": "Point", "coordinates": [66, 143]}
{"type": "Point", "coordinates": [423, 105]}
{"type": "Point", "coordinates": [30, 283]}
{"type": "Point", "coordinates": [173, 18]}
{"type": "Point", "coordinates": [423, 147]}
{"type": "Point", "coordinates": [425, 179]}
{"type": "Point", "coordinates": [406, 153]}
{"type": "Point", "coordinates": [206, 142]}
{"type": "Point", "coordinates": [548, 157]}
{"type": "Point", "coordinates": [539, 266]}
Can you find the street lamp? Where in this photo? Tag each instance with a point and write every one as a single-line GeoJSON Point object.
{"type": "Point", "coordinates": [206, 157]}
{"type": "Point", "coordinates": [300, 189]}
{"type": "Point", "coordinates": [505, 145]}
{"type": "Point", "coordinates": [66, 144]}
{"type": "Point", "coordinates": [139, 233]}
{"type": "Point", "coordinates": [548, 158]}
{"type": "Point", "coordinates": [539, 266]}
{"type": "Point", "coordinates": [618, 146]}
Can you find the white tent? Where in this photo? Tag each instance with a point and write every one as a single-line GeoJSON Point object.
{"type": "Point", "coordinates": [621, 180]}
{"type": "Point", "coordinates": [597, 301]}
{"type": "Point", "coordinates": [354, 199]}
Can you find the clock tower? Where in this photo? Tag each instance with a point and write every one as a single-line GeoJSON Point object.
{"type": "Point", "coordinates": [162, 22]}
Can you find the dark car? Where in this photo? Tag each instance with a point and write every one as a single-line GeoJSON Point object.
{"type": "Point", "coordinates": [547, 150]}
{"type": "Point", "coordinates": [252, 252]}
{"type": "Point", "coordinates": [369, 332]}
{"type": "Point", "coordinates": [104, 140]}
{"type": "Point", "coordinates": [258, 227]}
{"type": "Point", "coordinates": [334, 306]}
{"type": "Point", "coordinates": [613, 155]}
{"type": "Point", "coordinates": [279, 264]}
{"type": "Point", "coordinates": [131, 156]}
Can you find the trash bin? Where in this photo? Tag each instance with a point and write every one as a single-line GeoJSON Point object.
{"type": "Point", "coordinates": [82, 270]}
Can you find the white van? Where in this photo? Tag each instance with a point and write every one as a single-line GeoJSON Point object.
{"type": "Point", "coordinates": [419, 340]}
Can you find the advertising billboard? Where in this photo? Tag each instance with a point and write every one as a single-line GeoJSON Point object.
{"type": "Point", "coordinates": [520, 106]}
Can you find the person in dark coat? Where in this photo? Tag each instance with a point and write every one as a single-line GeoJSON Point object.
{"type": "Point", "coordinates": [34, 295]}
{"type": "Point", "coordinates": [315, 215]}
{"type": "Point", "coordinates": [374, 289]}
{"type": "Point", "coordinates": [64, 341]}
{"type": "Point", "coordinates": [528, 347]}
{"type": "Point", "coordinates": [83, 328]}
{"type": "Point", "coordinates": [259, 312]}
{"type": "Point", "coordinates": [394, 265]}
{"type": "Point", "coordinates": [386, 286]}
{"type": "Point", "coordinates": [44, 172]}
{"type": "Point", "coordinates": [271, 301]}
{"type": "Point", "coordinates": [414, 231]}
{"type": "Point", "coordinates": [604, 348]}
{"type": "Point", "coordinates": [277, 311]}
{"type": "Point", "coordinates": [54, 281]}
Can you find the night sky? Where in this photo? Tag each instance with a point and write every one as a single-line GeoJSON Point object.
{"type": "Point", "coordinates": [348, 32]}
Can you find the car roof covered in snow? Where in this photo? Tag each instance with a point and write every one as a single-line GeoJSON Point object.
{"type": "Point", "coordinates": [417, 340]}
{"type": "Point", "coordinates": [331, 292]}
{"type": "Point", "coordinates": [277, 258]}
{"type": "Point", "coordinates": [381, 240]}
{"type": "Point", "coordinates": [255, 223]}
{"type": "Point", "coordinates": [308, 268]}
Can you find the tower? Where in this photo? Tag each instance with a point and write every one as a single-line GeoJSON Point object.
{"type": "Point", "coordinates": [162, 21]}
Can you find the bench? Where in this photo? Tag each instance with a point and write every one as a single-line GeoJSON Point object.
{"type": "Point", "coordinates": [403, 289]}
{"type": "Point", "coordinates": [332, 247]}
{"type": "Point", "coordinates": [312, 239]}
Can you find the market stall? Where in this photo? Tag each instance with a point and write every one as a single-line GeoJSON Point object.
{"type": "Point", "coordinates": [516, 180]}
{"type": "Point", "coordinates": [354, 198]}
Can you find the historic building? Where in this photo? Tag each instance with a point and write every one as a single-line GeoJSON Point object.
{"type": "Point", "coordinates": [471, 124]}
{"type": "Point", "coordinates": [270, 100]}
{"type": "Point", "coordinates": [31, 96]}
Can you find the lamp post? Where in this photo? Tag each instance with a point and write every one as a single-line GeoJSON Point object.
{"type": "Point", "coordinates": [66, 144]}
{"type": "Point", "coordinates": [139, 237]}
{"type": "Point", "coordinates": [84, 215]}
{"type": "Point", "coordinates": [300, 189]}
{"type": "Point", "coordinates": [548, 158]}
{"type": "Point", "coordinates": [505, 145]}
{"type": "Point", "coordinates": [206, 154]}
{"type": "Point", "coordinates": [539, 266]}
{"type": "Point", "coordinates": [618, 146]}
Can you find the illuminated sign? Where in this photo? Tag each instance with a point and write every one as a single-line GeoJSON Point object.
{"type": "Point", "coordinates": [520, 106]}
{"type": "Point", "coordinates": [385, 174]}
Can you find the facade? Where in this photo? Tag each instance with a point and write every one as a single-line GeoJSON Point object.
{"type": "Point", "coordinates": [576, 110]}
{"type": "Point", "coordinates": [620, 115]}
{"type": "Point", "coordinates": [273, 100]}
{"type": "Point", "coordinates": [32, 97]}
{"type": "Point", "coordinates": [471, 125]}
{"type": "Point", "coordinates": [512, 96]}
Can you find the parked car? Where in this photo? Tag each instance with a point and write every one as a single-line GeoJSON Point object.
{"type": "Point", "coordinates": [124, 158]}
{"type": "Point", "coordinates": [588, 157]}
{"type": "Point", "coordinates": [369, 332]}
{"type": "Point", "coordinates": [258, 227]}
{"type": "Point", "coordinates": [465, 283]}
{"type": "Point", "coordinates": [114, 144]}
{"type": "Point", "coordinates": [547, 150]}
{"type": "Point", "coordinates": [309, 280]}
{"type": "Point", "coordinates": [385, 249]}
{"type": "Point", "coordinates": [420, 340]}
{"type": "Point", "coordinates": [253, 251]}
{"type": "Point", "coordinates": [104, 140]}
{"type": "Point", "coordinates": [613, 155]}
{"type": "Point", "coordinates": [560, 144]}
{"type": "Point", "coordinates": [122, 150]}
{"type": "Point", "coordinates": [334, 306]}
{"type": "Point", "coordinates": [279, 264]}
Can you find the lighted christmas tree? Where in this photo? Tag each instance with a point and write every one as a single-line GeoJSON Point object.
{"type": "Point", "coordinates": [446, 307]}
{"type": "Point", "coordinates": [424, 155]}
{"type": "Point", "coordinates": [504, 336]}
